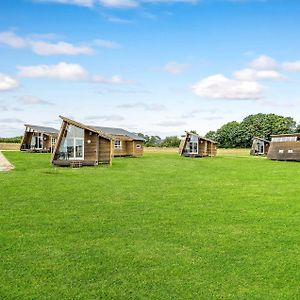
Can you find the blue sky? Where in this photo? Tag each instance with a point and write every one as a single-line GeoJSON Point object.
{"type": "Point", "coordinates": [152, 66]}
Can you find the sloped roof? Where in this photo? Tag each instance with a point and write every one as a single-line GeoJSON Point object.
{"type": "Point", "coordinates": [90, 128]}
{"type": "Point", "coordinates": [42, 128]}
{"type": "Point", "coordinates": [287, 134]}
{"type": "Point", "coordinates": [118, 131]}
{"type": "Point", "coordinates": [261, 139]}
{"type": "Point", "coordinates": [201, 137]}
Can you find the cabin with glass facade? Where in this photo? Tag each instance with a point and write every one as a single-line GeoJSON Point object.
{"type": "Point", "coordinates": [285, 147]}
{"type": "Point", "coordinates": [194, 145]}
{"type": "Point", "coordinates": [259, 146]}
{"type": "Point", "coordinates": [81, 145]}
{"type": "Point", "coordinates": [38, 138]}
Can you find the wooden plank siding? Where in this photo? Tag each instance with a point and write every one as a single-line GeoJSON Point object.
{"type": "Point", "coordinates": [129, 148]}
{"type": "Point", "coordinates": [282, 151]}
{"type": "Point", "coordinates": [104, 151]}
{"type": "Point", "coordinates": [90, 149]}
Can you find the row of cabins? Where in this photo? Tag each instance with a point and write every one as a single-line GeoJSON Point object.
{"type": "Point", "coordinates": [77, 144]}
{"type": "Point", "coordinates": [281, 147]}
{"type": "Point", "coordinates": [86, 145]}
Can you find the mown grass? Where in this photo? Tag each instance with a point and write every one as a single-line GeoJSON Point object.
{"type": "Point", "coordinates": [156, 227]}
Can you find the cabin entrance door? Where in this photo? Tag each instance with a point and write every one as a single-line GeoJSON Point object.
{"type": "Point", "coordinates": [260, 148]}
{"type": "Point", "coordinates": [193, 147]}
{"type": "Point", "coordinates": [37, 141]}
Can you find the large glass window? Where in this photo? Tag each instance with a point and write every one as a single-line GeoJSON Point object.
{"type": "Point", "coordinates": [72, 145]}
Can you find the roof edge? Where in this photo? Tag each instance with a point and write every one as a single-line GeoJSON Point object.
{"type": "Point", "coordinates": [83, 126]}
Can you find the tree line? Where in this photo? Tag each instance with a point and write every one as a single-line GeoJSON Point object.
{"type": "Point", "coordinates": [156, 141]}
{"type": "Point", "coordinates": [239, 134]}
{"type": "Point", "coordinates": [15, 140]}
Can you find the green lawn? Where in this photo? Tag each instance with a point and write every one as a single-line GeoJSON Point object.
{"type": "Point", "coordinates": [156, 227]}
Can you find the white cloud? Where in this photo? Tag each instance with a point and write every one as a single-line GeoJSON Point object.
{"type": "Point", "coordinates": [61, 70]}
{"type": "Point", "coordinates": [9, 38]}
{"type": "Point", "coordinates": [293, 66]}
{"type": "Point", "coordinates": [11, 120]}
{"type": "Point", "coordinates": [253, 75]}
{"type": "Point", "coordinates": [105, 118]}
{"type": "Point", "coordinates": [106, 44]}
{"type": "Point", "coordinates": [86, 3]}
{"type": "Point", "coordinates": [116, 79]}
{"type": "Point", "coordinates": [175, 68]}
{"type": "Point", "coordinates": [119, 3]}
{"type": "Point", "coordinates": [145, 106]}
{"type": "Point", "coordinates": [7, 83]}
{"type": "Point", "coordinates": [41, 47]}
{"type": "Point", "coordinates": [44, 48]}
{"type": "Point", "coordinates": [171, 123]}
{"type": "Point", "coordinates": [117, 20]}
{"type": "Point", "coordinates": [220, 87]}
{"type": "Point", "coordinates": [32, 100]}
{"type": "Point", "coordinates": [264, 62]}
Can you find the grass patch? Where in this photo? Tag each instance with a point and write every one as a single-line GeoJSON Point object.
{"type": "Point", "coordinates": [157, 227]}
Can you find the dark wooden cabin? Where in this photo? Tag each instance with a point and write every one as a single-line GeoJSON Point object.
{"type": "Point", "coordinates": [81, 145]}
{"type": "Point", "coordinates": [126, 143]}
{"type": "Point", "coordinates": [194, 145]}
{"type": "Point", "coordinates": [285, 147]}
{"type": "Point", "coordinates": [38, 138]}
{"type": "Point", "coordinates": [259, 146]}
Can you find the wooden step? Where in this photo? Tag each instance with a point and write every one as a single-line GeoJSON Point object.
{"type": "Point", "coordinates": [75, 164]}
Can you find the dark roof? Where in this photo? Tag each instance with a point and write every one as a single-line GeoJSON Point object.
{"type": "Point", "coordinates": [261, 139]}
{"type": "Point", "coordinates": [42, 128]}
{"type": "Point", "coordinates": [287, 134]}
{"type": "Point", "coordinates": [118, 131]}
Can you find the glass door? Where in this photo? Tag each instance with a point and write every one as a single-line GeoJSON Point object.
{"type": "Point", "coordinates": [193, 147]}
{"type": "Point", "coordinates": [79, 145]}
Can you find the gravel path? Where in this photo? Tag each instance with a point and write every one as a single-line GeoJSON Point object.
{"type": "Point", "coordinates": [5, 165]}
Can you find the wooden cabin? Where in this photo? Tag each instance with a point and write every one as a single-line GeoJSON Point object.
{"type": "Point", "coordinates": [126, 143]}
{"type": "Point", "coordinates": [38, 138]}
{"type": "Point", "coordinates": [81, 145]}
{"type": "Point", "coordinates": [88, 145]}
{"type": "Point", "coordinates": [259, 146]}
{"type": "Point", "coordinates": [194, 145]}
{"type": "Point", "coordinates": [285, 147]}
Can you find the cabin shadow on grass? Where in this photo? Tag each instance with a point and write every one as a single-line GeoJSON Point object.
{"type": "Point", "coordinates": [157, 227]}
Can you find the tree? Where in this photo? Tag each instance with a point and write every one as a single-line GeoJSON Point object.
{"type": "Point", "coordinates": [171, 141]}
{"type": "Point", "coordinates": [265, 125]}
{"type": "Point", "coordinates": [234, 134]}
{"type": "Point", "coordinates": [229, 135]}
{"type": "Point", "coordinates": [212, 135]}
{"type": "Point", "coordinates": [151, 141]}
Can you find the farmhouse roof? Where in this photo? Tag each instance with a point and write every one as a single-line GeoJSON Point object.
{"type": "Point", "coordinates": [42, 128]}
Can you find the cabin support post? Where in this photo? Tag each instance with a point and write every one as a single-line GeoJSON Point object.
{"type": "Point", "coordinates": [97, 149]}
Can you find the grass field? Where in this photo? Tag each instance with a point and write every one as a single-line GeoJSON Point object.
{"type": "Point", "coordinates": [156, 227]}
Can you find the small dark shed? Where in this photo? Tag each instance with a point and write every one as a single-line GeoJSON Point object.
{"type": "Point", "coordinates": [285, 147]}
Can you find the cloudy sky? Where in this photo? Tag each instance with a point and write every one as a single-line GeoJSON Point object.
{"type": "Point", "coordinates": [152, 66]}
